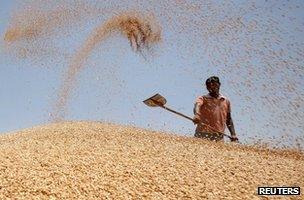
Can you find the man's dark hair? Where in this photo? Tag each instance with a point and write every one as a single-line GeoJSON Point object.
{"type": "Point", "coordinates": [213, 79]}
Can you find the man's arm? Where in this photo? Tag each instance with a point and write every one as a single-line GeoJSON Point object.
{"type": "Point", "coordinates": [230, 126]}
{"type": "Point", "coordinates": [196, 119]}
{"type": "Point", "coordinates": [196, 111]}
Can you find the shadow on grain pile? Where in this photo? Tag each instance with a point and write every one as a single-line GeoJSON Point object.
{"type": "Point", "coordinates": [94, 160]}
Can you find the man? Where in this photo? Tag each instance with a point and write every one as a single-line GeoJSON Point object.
{"type": "Point", "coordinates": [212, 113]}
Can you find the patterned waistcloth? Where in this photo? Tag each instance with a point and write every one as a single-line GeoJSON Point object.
{"type": "Point", "coordinates": [210, 136]}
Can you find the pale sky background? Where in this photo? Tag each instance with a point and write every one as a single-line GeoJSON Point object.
{"type": "Point", "coordinates": [260, 64]}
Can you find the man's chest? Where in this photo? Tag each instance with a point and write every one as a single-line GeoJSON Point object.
{"type": "Point", "coordinates": [215, 105]}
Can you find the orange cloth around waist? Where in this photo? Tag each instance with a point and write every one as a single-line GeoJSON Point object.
{"type": "Point", "coordinates": [213, 112]}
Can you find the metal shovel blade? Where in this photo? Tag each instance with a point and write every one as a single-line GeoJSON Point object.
{"type": "Point", "coordinates": [156, 100]}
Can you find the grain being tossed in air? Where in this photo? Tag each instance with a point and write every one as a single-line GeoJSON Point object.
{"type": "Point", "coordinates": [254, 45]}
{"type": "Point", "coordinates": [134, 26]}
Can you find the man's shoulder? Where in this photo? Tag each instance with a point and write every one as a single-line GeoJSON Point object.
{"type": "Point", "coordinates": [224, 97]}
{"type": "Point", "coordinates": [207, 96]}
{"type": "Point", "coordinates": [199, 99]}
{"type": "Point", "coordinates": [221, 96]}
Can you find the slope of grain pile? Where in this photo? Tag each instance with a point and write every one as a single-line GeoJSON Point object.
{"type": "Point", "coordinates": [92, 160]}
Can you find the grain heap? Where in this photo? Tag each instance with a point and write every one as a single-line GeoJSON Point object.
{"type": "Point", "coordinates": [93, 160]}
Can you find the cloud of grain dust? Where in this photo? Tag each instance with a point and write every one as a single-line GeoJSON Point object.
{"type": "Point", "coordinates": [141, 31]}
{"type": "Point", "coordinates": [255, 46]}
{"type": "Point", "coordinates": [35, 24]}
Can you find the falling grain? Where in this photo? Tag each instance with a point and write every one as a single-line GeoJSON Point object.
{"type": "Point", "coordinates": [135, 27]}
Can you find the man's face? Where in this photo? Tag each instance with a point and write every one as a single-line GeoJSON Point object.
{"type": "Point", "coordinates": [213, 87]}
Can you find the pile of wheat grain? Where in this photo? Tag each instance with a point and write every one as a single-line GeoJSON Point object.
{"type": "Point", "coordinates": [93, 160]}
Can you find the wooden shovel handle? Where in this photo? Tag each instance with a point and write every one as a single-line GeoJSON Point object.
{"type": "Point", "coordinates": [185, 116]}
{"type": "Point", "coordinates": [178, 113]}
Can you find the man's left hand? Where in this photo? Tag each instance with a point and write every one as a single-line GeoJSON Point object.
{"type": "Point", "coordinates": [233, 138]}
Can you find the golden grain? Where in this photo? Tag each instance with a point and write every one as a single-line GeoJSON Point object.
{"type": "Point", "coordinates": [91, 160]}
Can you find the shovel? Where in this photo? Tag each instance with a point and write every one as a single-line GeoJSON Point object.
{"type": "Point", "coordinates": [160, 101]}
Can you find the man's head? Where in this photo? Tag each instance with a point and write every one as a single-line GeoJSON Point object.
{"type": "Point", "coordinates": [213, 85]}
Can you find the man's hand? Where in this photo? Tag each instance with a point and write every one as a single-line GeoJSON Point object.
{"type": "Point", "coordinates": [196, 120]}
{"type": "Point", "coordinates": [233, 138]}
